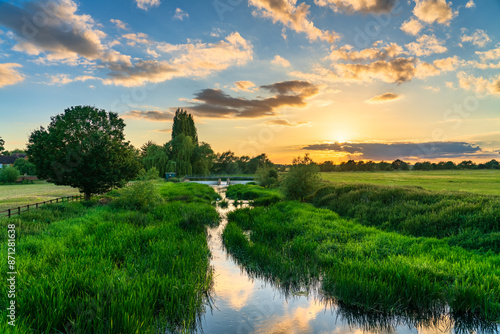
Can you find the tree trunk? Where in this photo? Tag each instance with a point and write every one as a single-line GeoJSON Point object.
{"type": "Point", "coordinates": [87, 196]}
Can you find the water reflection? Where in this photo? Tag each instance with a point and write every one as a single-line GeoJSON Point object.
{"type": "Point", "coordinates": [248, 303]}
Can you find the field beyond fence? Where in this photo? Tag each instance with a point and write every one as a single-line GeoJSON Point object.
{"type": "Point", "coordinates": [25, 208]}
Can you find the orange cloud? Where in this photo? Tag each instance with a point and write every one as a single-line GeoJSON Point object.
{"type": "Point", "coordinates": [387, 97]}
{"type": "Point", "coordinates": [9, 75]}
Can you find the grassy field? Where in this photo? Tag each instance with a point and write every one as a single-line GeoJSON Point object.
{"type": "Point", "coordinates": [476, 181]}
{"type": "Point", "coordinates": [295, 243]}
{"type": "Point", "coordinates": [137, 264]}
{"type": "Point", "coordinates": [22, 194]}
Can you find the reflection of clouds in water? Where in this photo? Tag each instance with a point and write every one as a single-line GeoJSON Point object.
{"type": "Point", "coordinates": [444, 326]}
{"type": "Point", "coordinates": [233, 287]}
{"type": "Point", "coordinates": [293, 321]}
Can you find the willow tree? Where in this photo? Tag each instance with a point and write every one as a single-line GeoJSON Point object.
{"type": "Point", "coordinates": [184, 125]}
{"type": "Point", "coordinates": [84, 148]}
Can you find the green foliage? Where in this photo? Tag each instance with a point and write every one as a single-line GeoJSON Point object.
{"type": "Point", "coordinates": [294, 244]}
{"type": "Point", "coordinates": [2, 143]}
{"type": "Point", "coordinates": [25, 167]}
{"type": "Point", "coordinates": [140, 196]}
{"type": "Point", "coordinates": [266, 176]}
{"type": "Point", "coordinates": [9, 174]}
{"type": "Point", "coordinates": [184, 125]}
{"type": "Point", "coordinates": [267, 200]}
{"type": "Point", "coordinates": [109, 270]}
{"type": "Point", "coordinates": [302, 179]}
{"type": "Point", "coordinates": [250, 192]}
{"type": "Point", "coordinates": [84, 148]}
{"type": "Point", "coordinates": [463, 219]}
{"type": "Point", "coordinates": [223, 204]}
{"type": "Point", "coordinates": [182, 149]}
{"type": "Point", "coordinates": [202, 159]}
{"type": "Point", "coordinates": [187, 192]}
{"type": "Point", "coordinates": [155, 157]}
{"type": "Point", "coordinates": [149, 175]}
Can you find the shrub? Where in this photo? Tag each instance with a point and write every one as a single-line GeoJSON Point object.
{"type": "Point", "coordinates": [151, 174]}
{"type": "Point", "coordinates": [142, 196]}
{"type": "Point", "coordinates": [9, 174]}
{"type": "Point", "coordinates": [266, 176]}
{"type": "Point", "coordinates": [302, 179]}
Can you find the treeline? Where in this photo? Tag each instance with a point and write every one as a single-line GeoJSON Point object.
{"type": "Point", "coordinates": [184, 155]}
{"type": "Point", "coordinates": [370, 166]}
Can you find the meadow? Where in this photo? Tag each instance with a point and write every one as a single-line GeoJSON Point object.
{"type": "Point", "coordinates": [130, 262]}
{"type": "Point", "coordinates": [295, 244]}
{"type": "Point", "coordinates": [475, 181]}
{"type": "Point", "coordinates": [14, 195]}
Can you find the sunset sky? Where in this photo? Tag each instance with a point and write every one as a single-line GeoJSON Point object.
{"type": "Point", "coordinates": [341, 79]}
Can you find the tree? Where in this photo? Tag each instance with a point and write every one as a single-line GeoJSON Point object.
{"type": "Point", "coordinates": [202, 159]}
{"type": "Point", "coordinates": [302, 178]}
{"type": "Point", "coordinates": [266, 176]}
{"type": "Point", "coordinates": [2, 143]}
{"type": "Point", "coordinates": [85, 148]}
{"type": "Point", "coordinates": [182, 148]}
{"type": "Point", "coordinates": [155, 157]}
{"type": "Point", "coordinates": [25, 167]}
{"type": "Point", "coordinates": [184, 125]}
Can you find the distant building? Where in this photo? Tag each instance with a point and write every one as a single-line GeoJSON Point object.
{"type": "Point", "coordinates": [10, 159]}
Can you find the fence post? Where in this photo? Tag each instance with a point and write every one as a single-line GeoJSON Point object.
{"type": "Point", "coordinates": [28, 207]}
{"type": "Point", "coordinates": [57, 200]}
{"type": "Point", "coordinates": [37, 205]}
{"type": "Point", "coordinates": [18, 210]}
{"type": "Point", "coordinates": [9, 213]}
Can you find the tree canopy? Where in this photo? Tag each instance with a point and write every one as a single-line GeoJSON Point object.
{"type": "Point", "coordinates": [85, 148]}
{"type": "Point", "coordinates": [2, 143]}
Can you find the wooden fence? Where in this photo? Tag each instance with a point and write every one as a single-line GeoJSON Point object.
{"type": "Point", "coordinates": [17, 211]}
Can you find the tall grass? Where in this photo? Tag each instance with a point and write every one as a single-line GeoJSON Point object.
{"type": "Point", "coordinates": [261, 196]}
{"type": "Point", "coordinates": [468, 220]}
{"type": "Point", "coordinates": [111, 269]}
{"type": "Point", "coordinates": [379, 272]}
{"type": "Point", "coordinates": [188, 192]}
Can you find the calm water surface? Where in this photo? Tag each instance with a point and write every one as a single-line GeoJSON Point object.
{"type": "Point", "coordinates": [244, 304]}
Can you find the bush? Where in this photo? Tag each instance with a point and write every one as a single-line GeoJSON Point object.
{"type": "Point", "coordinates": [9, 174]}
{"type": "Point", "coordinates": [141, 196]}
{"type": "Point", "coordinates": [267, 200]}
{"type": "Point", "coordinates": [302, 179]}
{"type": "Point", "coordinates": [266, 176]}
{"type": "Point", "coordinates": [151, 174]}
{"type": "Point", "coordinates": [25, 167]}
{"type": "Point", "coordinates": [250, 192]}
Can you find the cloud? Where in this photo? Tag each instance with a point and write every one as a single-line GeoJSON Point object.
{"type": "Point", "coordinates": [390, 51]}
{"type": "Point", "coordinates": [387, 97]}
{"type": "Point", "coordinates": [119, 24]}
{"type": "Point", "coordinates": [479, 85]}
{"type": "Point", "coordinates": [151, 115]}
{"type": "Point", "coordinates": [147, 4]}
{"type": "Point", "coordinates": [243, 86]}
{"type": "Point", "coordinates": [447, 64]}
{"type": "Point", "coordinates": [363, 6]}
{"type": "Point", "coordinates": [292, 16]}
{"type": "Point", "coordinates": [397, 70]}
{"type": "Point", "coordinates": [187, 60]}
{"type": "Point", "coordinates": [164, 130]}
{"type": "Point", "coordinates": [426, 45]}
{"type": "Point", "coordinates": [431, 11]}
{"type": "Point", "coordinates": [216, 103]}
{"type": "Point", "coordinates": [479, 38]}
{"type": "Point", "coordinates": [9, 75]}
{"type": "Point", "coordinates": [412, 27]}
{"type": "Point", "coordinates": [180, 14]}
{"type": "Point", "coordinates": [470, 4]}
{"type": "Point", "coordinates": [284, 122]}
{"type": "Point", "coordinates": [402, 150]}
{"type": "Point", "coordinates": [140, 38]}
{"type": "Point", "coordinates": [280, 61]}
{"type": "Point", "coordinates": [65, 35]}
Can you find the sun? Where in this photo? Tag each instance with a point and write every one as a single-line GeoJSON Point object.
{"type": "Point", "coordinates": [340, 136]}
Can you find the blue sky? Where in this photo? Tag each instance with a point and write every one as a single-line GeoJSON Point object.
{"type": "Point", "coordinates": [340, 79]}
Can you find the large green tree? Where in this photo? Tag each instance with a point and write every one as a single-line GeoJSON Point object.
{"type": "Point", "coordinates": [2, 143]}
{"type": "Point", "coordinates": [156, 157]}
{"type": "Point", "coordinates": [85, 148]}
{"type": "Point", "coordinates": [184, 125]}
{"type": "Point", "coordinates": [302, 178]}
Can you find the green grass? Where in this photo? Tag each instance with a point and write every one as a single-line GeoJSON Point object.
{"type": "Point", "coordinates": [22, 194]}
{"type": "Point", "coordinates": [295, 243]}
{"type": "Point", "coordinates": [91, 268]}
{"type": "Point", "coordinates": [261, 196]}
{"type": "Point", "coordinates": [188, 192]}
{"type": "Point", "coordinates": [464, 219]}
{"type": "Point", "coordinates": [476, 181]}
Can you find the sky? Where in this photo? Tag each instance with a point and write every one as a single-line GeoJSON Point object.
{"type": "Point", "coordinates": [417, 80]}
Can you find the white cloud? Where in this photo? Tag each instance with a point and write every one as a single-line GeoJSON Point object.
{"type": "Point", "coordinates": [246, 86]}
{"type": "Point", "coordinates": [470, 4]}
{"type": "Point", "coordinates": [147, 4]}
{"type": "Point", "coordinates": [412, 27]}
{"type": "Point", "coordinates": [426, 45]}
{"type": "Point", "coordinates": [479, 85]}
{"type": "Point", "coordinates": [431, 11]}
{"type": "Point", "coordinates": [180, 14]}
{"type": "Point", "coordinates": [119, 24]}
{"type": "Point", "coordinates": [363, 6]}
{"type": "Point", "coordinates": [9, 75]}
{"type": "Point", "coordinates": [280, 61]}
{"type": "Point", "coordinates": [390, 51]}
{"type": "Point", "coordinates": [479, 38]}
{"type": "Point", "coordinates": [292, 16]}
